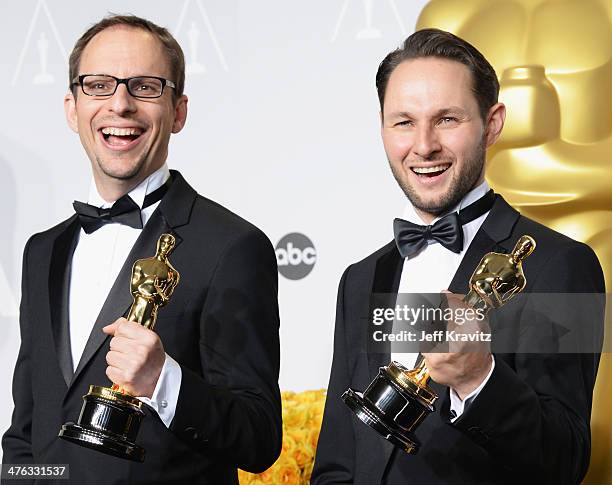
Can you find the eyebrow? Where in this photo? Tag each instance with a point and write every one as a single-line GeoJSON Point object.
{"type": "Point", "coordinates": [441, 112]}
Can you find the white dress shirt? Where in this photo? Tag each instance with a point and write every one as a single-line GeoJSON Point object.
{"type": "Point", "coordinates": [97, 260]}
{"type": "Point", "coordinates": [431, 271]}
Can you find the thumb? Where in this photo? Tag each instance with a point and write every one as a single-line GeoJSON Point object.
{"type": "Point", "coordinates": [113, 327]}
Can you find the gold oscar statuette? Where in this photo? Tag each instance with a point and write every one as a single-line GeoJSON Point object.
{"type": "Point", "coordinates": [399, 399]}
{"type": "Point", "coordinates": [110, 417]}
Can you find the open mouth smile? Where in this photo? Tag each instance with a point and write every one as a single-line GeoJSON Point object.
{"type": "Point", "coordinates": [430, 172]}
{"type": "Point", "coordinates": [118, 138]}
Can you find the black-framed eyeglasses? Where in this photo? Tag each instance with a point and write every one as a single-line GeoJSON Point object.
{"type": "Point", "coordinates": [105, 85]}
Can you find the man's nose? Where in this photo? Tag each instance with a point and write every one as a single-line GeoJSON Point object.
{"type": "Point", "coordinates": [426, 141]}
{"type": "Point", "coordinates": [122, 101]}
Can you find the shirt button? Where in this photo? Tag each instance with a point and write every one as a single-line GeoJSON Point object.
{"type": "Point", "coordinates": [164, 403]}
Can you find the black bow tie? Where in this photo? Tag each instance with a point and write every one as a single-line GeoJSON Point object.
{"type": "Point", "coordinates": [411, 238]}
{"type": "Point", "coordinates": [123, 211]}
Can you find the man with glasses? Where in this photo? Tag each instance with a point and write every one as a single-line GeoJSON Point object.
{"type": "Point", "coordinates": [209, 373]}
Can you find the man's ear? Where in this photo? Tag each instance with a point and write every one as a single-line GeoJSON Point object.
{"type": "Point", "coordinates": [180, 114]}
{"type": "Point", "coordinates": [70, 111]}
{"type": "Point", "coordinates": [495, 123]}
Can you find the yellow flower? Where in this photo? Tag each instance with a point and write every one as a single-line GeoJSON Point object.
{"type": "Point", "coordinates": [302, 416]}
{"type": "Point", "coordinates": [303, 455]}
{"type": "Point", "coordinates": [313, 437]}
{"type": "Point", "coordinates": [287, 472]}
{"type": "Point", "coordinates": [312, 396]}
{"type": "Point", "coordinates": [299, 435]}
{"type": "Point", "coordinates": [265, 478]}
{"type": "Point", "coordinates": [307, 473]}
{"type": "Point", "coordinates": [315, 414]}
{"type": "Point", "coordinates": [289, 444]}
{"type": "Point", "coordinates": [302, 452]}
{"type": "Point", "coordinates": [295, 416]}
{"type": "Point", "coordinates": [245, 478]}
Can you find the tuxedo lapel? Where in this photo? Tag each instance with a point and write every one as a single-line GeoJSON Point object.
{"type": "Point", "coordinates": [386, 281]}
{"type": "Point", "coordinates": [59, 290]}
{"type": "Point", "coordinates": [481, 244]}
{"type": "Point", "coordinates": [388, 270]}
{"type": "Point", "coordinates": [495, 230]}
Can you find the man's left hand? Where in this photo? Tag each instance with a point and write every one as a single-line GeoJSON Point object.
{"type": "Point", "coordinates": [467, 364]}
{"type": "Point", "coordinates": [136, 357]}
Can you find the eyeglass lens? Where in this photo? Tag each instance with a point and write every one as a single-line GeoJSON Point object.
{"type": "Point", "coordinates": [141, 87]}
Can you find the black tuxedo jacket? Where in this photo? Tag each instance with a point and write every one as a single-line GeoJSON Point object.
{"type": "Point", "coordinates": [221, 326]}
{"type": "Point", "coordinates": [529, 424]}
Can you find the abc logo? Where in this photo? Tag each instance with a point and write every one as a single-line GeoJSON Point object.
{"type": "Point", "coordinates": [295, 256]}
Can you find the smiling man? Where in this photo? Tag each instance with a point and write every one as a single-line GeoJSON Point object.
{"type": "Point", "coordinates": [209, 372]}
{"type": "Point", "coordinates": [513, 417]}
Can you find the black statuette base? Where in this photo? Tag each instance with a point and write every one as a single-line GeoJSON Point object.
{"type": "Point", "coordinates": [368, 414]}
{"type": "Point", "coordinates": [107, 425]}
{"type": "Point", "coordinates": [390, 409]}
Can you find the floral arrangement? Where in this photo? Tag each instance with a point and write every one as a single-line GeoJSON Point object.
{"type": "Point", "coordinates": [302, 416]}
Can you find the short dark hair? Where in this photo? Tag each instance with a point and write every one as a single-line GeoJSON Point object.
{"type": "Point", "coordinates": [438, 43]}
{"type": "Point", "coordinates": [171, 46]}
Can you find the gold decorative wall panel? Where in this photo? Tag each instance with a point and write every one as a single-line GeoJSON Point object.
{"type": "Point", "coordinates": [554, 159]}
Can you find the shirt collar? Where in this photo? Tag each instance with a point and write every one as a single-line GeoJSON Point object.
{"type": "Point", "coordinates": [473, 195]}
{"type": "Point", "coordinates": [138, 193]}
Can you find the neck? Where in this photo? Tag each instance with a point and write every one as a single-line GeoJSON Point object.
{"type": "Point", "coordinates": [112, 189]}
{"type": "Point", "coordinates": [426, 217]}
{"type": "Point", "coordinates": [111, 194]}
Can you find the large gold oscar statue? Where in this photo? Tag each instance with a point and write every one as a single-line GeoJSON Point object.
{"type": "Point", "coordinates": [554, 62]}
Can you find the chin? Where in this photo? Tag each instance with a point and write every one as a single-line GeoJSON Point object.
{"type": "Point", "coordinates": [120, 169]}
{"type": "Point", "coordinates": [121, 173]}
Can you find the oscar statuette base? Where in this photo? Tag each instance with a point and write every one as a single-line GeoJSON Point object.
{"type": "Point", "coordinates": [109, 422]}
{"type": "Point", "coordinates": [393, 405]}
{"type": "Point", "coordinates": [369, 415]}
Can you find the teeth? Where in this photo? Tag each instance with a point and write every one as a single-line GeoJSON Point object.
{"type": "Point", "coordinates": [110, 130]}
{"type": "Point", "coordinates": [437, 168]}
